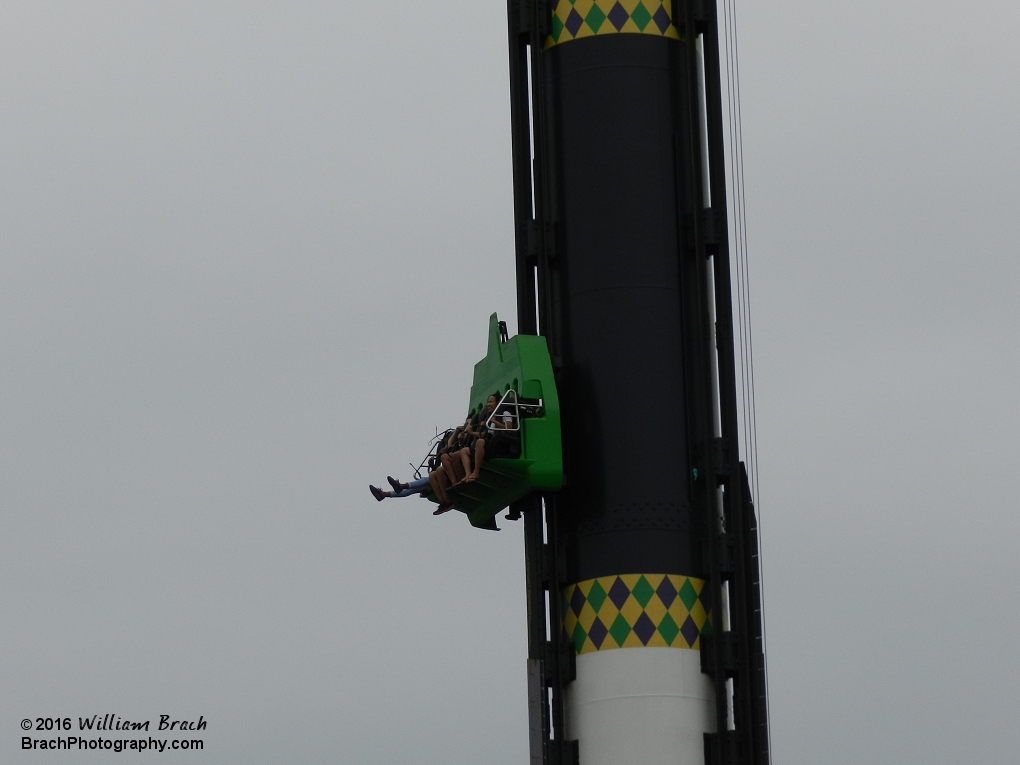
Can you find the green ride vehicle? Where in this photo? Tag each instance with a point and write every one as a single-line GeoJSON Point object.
{"type": "Point", "coordinates": [519, 372]}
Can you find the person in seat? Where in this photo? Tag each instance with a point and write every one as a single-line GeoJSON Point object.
{"type": "Point", "coordinates": [454, 459]}
{"type": "Point", "coordinates": [490, 440]}
{"type": "Point", "coordinates": [437, 480]}
{"type": "Point", "coordinates": [458, 459]}
{"type": "Point", "coordinates": [503, 439]}
{"type": "Point", "coordinates": [475, 445]}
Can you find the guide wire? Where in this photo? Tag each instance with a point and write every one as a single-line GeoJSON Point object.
{"type": "Point", "coordinates": [739, 240]}
{"type": "Point", "coordinates": [738, 201]}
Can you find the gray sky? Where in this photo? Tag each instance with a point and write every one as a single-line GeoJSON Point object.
{"type": "Point", "coordinates": [247, 253]}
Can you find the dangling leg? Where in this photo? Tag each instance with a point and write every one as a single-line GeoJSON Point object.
{"type": "Point", "coordinates": [479, 456]}
{"type": "Point", "coordinates": [438, 480]}
{"type": "Point", "coordinates": [411, 486]}
{"type": "Point", "coordinates": [452, 467]}
{"type": "Point", "coordinates": [465, 462]}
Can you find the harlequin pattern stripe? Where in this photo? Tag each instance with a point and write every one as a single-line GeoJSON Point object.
{"type": "Point", "coordinates": [636, 611]}
{"type": "Point", "coordinates": [574, 19]}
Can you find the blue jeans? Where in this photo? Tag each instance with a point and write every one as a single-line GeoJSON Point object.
{"type": "Point", "coordinates": [413, 487]}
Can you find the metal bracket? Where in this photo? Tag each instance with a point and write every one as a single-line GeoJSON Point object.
{"type": "Point", "coordinates": [721, 457]}
{"type": "Point", "coordinates": [699, 11]}
{"type": "Point", "coordinates": [569, 753]}
{"type": "Point", "coordinates": [522, 14]}
{"type": "Point", "coordinates": [532, 238]}
{"type": "Point", "coordinates": [725, 552]}
{"type": "Point", "coordinates": [723, 334]}
{"type": "Point", "coordinates": [525, 14]}
{"type": "Point", "coordinates": [549, 239]}
{"type": "Point", "coordinates": [549, 562]}
{"type": "Point", "coordinates": [568, 662]}
{"type": "Point", "coordinates": [700, 14]}
{"type": "Point", "coordinates": [722, 748]}
{"type": "Point", "coordinates": [725, 643]}
{"type": "Point", "coordinates": [711, 225]}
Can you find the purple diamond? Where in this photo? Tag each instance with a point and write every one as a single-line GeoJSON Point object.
{"type": "Point", "coordinates": [618, 16]}
{"type": "Point", "coordinates": [619, 593]}
{"type": "Point", "coordinates": [690, 631]}
{"type": "Point", "coordinates": [644, 628]}
{"type": "Point", "coordinates": [666, 592]}
{"type": "Point", "coordinates": [706, 597]}
{"type": "Point", "coordinates": [577, 601]}
{"type": "Point", "coordinates": [597, 633]}
{"type": "Point", "coordinates": [661, 19]}
{"type": "Point", "coordinates": [573, 22]}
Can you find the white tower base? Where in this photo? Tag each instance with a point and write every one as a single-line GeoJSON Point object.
{"type": "Point", "coordinates": [640, 705]}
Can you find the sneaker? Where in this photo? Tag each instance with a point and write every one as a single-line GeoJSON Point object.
{"type": "Point", "coordinates": [378, 493]}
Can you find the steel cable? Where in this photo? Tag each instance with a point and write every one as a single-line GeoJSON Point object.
{"type": "Point", "coordinates": [738, 201]}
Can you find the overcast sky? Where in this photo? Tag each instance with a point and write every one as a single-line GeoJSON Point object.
{"type": "Point", "coordinates": [247, 254]}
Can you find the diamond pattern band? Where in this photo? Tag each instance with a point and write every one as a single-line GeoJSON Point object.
{"type": "Point", "coordinates": [574, 19]}
{"type": "Point", "coordinates": [636, 610]}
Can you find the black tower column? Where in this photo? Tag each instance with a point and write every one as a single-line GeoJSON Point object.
{"type": "Point", "coordinates": [622, 261]}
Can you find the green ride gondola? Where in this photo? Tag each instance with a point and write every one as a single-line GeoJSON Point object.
{"type": "Point", "coordinates": [519, 371]}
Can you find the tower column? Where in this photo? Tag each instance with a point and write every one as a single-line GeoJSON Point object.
{"type": "Point", "coordinates": [637, 602]}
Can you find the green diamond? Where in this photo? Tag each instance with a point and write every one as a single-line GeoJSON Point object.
{"type": "Point", "coordinates": [578, 638]}
{"type": "Point", "coordinates": [557, 29]}
{"type": "Point", "coordinates": [595, 18]}
{"type": "Point", "coordinates": [620, 629]}
{"type": "Point", "coordinates": [668, 629]}
{"type": "Point", "coordinates": [688, 594]}
{"type": "Point", "coordinates": [597, 596]}
{"type": "Point", "coordinates": [642, 591]}
{"type": "Point", "coordinates": [707, 628]}
{"type": "Point", "coordinates": [641, 17]}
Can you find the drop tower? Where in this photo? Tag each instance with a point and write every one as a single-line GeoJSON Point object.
{"type": "Point", "coordinates": [645, 630]}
